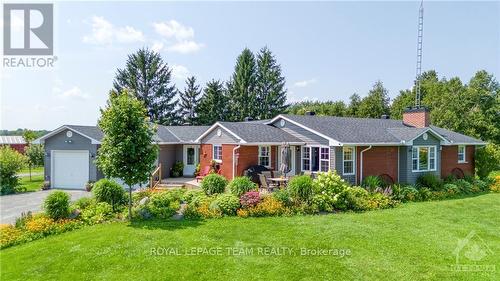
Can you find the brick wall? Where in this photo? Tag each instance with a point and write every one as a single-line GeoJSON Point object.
{"type": "Point", "coordinates": [205, 155]}
{"type": "Point", "coordinates": [377, 161]}
{"type": "Point", "coordinates": [247, 156]}
{"type": "Point", "coordinates": [449, 160]}
{"type": "Point", "coordinates": [417, 118]}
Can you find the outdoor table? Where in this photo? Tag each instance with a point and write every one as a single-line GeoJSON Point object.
{"type": "Point", "coordinates": [279, 181]}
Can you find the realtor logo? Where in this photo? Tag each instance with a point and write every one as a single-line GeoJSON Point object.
{"type": "Point", "coordinates": [28, 29]}
{"type": "Point", "coordinates": [471, 254]}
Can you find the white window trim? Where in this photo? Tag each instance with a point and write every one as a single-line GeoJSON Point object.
{"type": "Point", "coordinates": [465, 154]}
{"type": "Point", "coordinates": [213, 153]}
{"type": "Point", "coordinates": [310, 157]}
{"type": "Point", "coordinates": [353, 161]}
{"type": "Point", "coordinates": [428, 162]}
{"type": "Point", "coordinates": [268, 156]}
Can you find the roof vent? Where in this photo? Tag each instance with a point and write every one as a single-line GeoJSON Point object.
{"type": "Point", "coordinates": [310, 113]}
{"type": "Point", "coordinates": [385, 116]}
{"type": "Point", "coordinates": [248, 118]}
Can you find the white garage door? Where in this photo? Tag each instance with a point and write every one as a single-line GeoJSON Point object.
{"type": "Point", "coordinates": [70, 169]}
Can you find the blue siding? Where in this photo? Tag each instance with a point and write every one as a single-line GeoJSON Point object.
{"type": "Point", "coordinates": [78, 142]}
{"type": "Point", "coordinates": [406, 173]}
{"type": "Point", "coordinates": [338, 163]}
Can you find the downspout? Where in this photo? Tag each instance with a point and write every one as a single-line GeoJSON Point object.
{"type": "Point", "coordinates": [361, 163]}
{"type": "Point", "coordinates": [234, 158]}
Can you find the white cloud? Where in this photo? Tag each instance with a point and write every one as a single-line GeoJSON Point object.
{"type": "Point", "coordinates": [104, 33]}
{"type": "Point", "coordinates": [157, 46]}
{"type": "Point", "coordinates": [177, 37]}
{"type": "Point", "coordinates": [304, 83]}
{"type": "Point", "coordinates": [301, 99]}
{"type": "Point", "coordinates": [174, 29]}
{"type": "Point", "coordinates": [185, 47]}
{"type": "Point", "coordinates": [180, 72]}
{"type": "Point", "coordinates": [74, 93]}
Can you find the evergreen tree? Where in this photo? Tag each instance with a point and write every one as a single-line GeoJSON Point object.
{"type": "Point", "coordinates": [270, 86]}
{"type": "Point", "coordinates": [213, 104]}
{"type": "Point", "coordinates": [241, 88]}
{"type": "Point", "coordinates": [376, 103]}
{"type": "Point", "coordinates": [148, 78]}
{"type": "Point", "coordinates": [189, 101]}
{"type": "Point", "coordinates": [354, 102]}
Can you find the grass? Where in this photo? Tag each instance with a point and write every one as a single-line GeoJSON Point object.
{"type": "Point", "coordinates": [34, 185]}
{"type": "Point", "coordinates": [34, 170]}
{"type": "Point", "coordinates": [412, 242]}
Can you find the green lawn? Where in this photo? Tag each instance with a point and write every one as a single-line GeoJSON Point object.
{"type": "Point", "coordinates": [34, 170]}
{"type": "Point", "coordinates": [34, 185]}
{"type": "Point", "coordinates": [412, 242]}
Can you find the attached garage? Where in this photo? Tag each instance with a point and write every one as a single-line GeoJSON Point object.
{"type": "Point", "coordinates": [70, 168]}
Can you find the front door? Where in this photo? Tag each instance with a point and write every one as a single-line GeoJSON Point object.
{"type": "Point", "coordinates": [191, 158]}
{"type": "Point", "coordinates": [291, 160]}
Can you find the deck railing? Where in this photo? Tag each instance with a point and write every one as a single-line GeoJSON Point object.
{"type": "Point", "coordinates": [155, 177]}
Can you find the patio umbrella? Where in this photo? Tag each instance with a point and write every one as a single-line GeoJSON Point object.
{"type": "Point", "coordinates": [285, 166]}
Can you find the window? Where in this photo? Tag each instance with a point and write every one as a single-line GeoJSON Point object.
{"type": "Point", "coordinates": [217, 153]}
{"type": "Point", "coordinates": [348, 160]}
{"type": "Point", "coordinates": [265, 156]}
{"type": "Point", "coordinates": [306, 158]}
{"type": "Point", "coordinates": [461, 154]}
{"type": "Point", "coordinates": [324, 159]}
{"type": "Point", "coordinates": [423, 158]}
{"type": "Point", "coordinates": [190, 156]}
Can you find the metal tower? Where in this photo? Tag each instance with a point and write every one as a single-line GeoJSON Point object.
{"type": "Point", "coordinates": [419, 53]}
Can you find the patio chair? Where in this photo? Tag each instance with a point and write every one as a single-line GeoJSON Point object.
{"type": "Point", "coordinates": [266, 174]}
{"type": "Point", "coordinates": [265, 184]}
{"type": "Point", "coordinates": [277, 174]}
{"type": "Point", "coordinates": [203, 173]}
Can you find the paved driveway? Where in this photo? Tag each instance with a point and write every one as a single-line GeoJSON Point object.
{"type": "Point", "coordinates": [11, 206]}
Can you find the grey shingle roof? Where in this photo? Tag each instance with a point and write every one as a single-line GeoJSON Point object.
{"type": "Point", "coordinates": [369, 130]}
{"type": "Point", "coordinates": [455, 137]}
{"type": "Point", "coordinates": [186, 133]}
{"type": "Point", "coordinates": [252, 132]}
{"type": "Point", "coordinates": [90, 131]}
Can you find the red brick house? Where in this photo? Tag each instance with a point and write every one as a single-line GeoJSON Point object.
{"type": "Point", "coordinates": [397, 150]}
{"type": "Point", "coordinates": [15, 142]}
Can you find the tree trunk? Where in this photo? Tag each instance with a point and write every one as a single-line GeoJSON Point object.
{"type": "Point", "coordinates": [30, 170]}
{"type": "Point", "coordinates": [130, 203]}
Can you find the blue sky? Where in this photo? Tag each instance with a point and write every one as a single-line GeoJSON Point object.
{"type": "Point", "coordinates": [327, 50]}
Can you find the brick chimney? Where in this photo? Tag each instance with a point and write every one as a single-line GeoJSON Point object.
{"type": "Point", "coordinates": [417, 117]}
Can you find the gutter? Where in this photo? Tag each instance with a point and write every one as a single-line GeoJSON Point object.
{"type": "Point", "coordinates": [361, 163]}
{"type": "Point", "coordinates": [234, 158]}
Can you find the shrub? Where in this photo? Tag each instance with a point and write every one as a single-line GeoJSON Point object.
{"type": "Point", "coordinates": [301, 188]}
{"type": "Point", "coordinates": [11, 162]}
{"type": "Point", "coordinates": [495, 186]}
{"type": "Point", "coordinates": [451, 189]}
{"type": "Point", "coordinates": [409, 194]}
{"type": "Point", "coordinates": [97, 212]}
{"type": "Point", "coordinates": [194, 196]}
{"type": "Point", "coordinates": [372, 182]}
{"type": "Point", "coordinates": [323, 202]}
{"type": "Point", "coordinates": [177, 193]}
{"type": "Point", "coordinates": [380, 201]}
{"type": "Point", "coordinates": [213, 184]}
{"type": "Point", "coordinates": [227, 203]}
{"type": "Point", "coordinates": [109, 191]}
{"type": "Point", "coordinates": [464, 186]}
{"type": "Point", "coordinates": [163, 205]}
{"type": "Point", "coordinates": [177, 170]}
{"type": "Point", "coordinates": [39, 224]}
{"type": "Point", "coordinates": [208, 208]}
{"type": "Point", "coordinates": [329, 183]}
{"type": "Point", "coordinates": [480, 185]}
{"type": "Point", "coordinates": [141, 194]}
{"type": "Point", "coordinates": [250, 199]}
{"type": "Point", "coordinates": [83, 203]}
{"type": "Point", "coordinates": [269, 206]}
{"type": "Point", "coordinates": [424, 194]}
{"type": "Point", "coordinates": [56, 205]}
{"type": "Point", "coordinates": [239, 185]}
{"type": "Point", "coordinates": [431, 181]}
{"type": "Point", "coordinates": [21, 221]}
{"type": "Point", "coordinates": [353, 198]}
{"type": "Point", "coordinates": [305, 208]}
{"type": "Point", "coordinates": [487, 159]}
{"type": "Point", "coordinates": [283, 196]}
{"type": "Point", "coordinates": [9, 235]}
